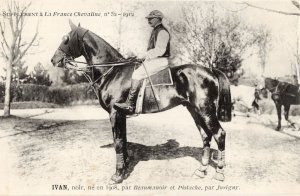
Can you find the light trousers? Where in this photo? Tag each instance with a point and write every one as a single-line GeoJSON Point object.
{"type": "Point", "coordinates": [152, 66]}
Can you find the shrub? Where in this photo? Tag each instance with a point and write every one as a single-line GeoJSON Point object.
{"type": "Point", "coordinates": [63, 95]}
{"type": "Point", "coordinates": [67, 94]}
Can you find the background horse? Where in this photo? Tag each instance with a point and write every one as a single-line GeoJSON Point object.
{"type": "Point", "coordinates": [283, 94]}
{"type": "Point", "coordinates": [205, 93]}
{"type": "Point", "coordinates": [246, 96]}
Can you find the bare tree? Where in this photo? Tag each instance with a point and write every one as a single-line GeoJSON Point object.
{"type": "Point", "coordinates": [264, 45]}
{"type": "Point", "coordinates": [125, 8]}
{"type": "Point", "coordinates": [296, 63]}
{"type": "Point", "coordinates": [14, 48]}
{"type": "Point", "coordinates": [295, 4]}
{"type": "Point", "coordinates": [208, 36]}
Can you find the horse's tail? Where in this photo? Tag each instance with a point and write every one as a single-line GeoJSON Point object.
{"type": "Point", "coordinates": [224, 103]}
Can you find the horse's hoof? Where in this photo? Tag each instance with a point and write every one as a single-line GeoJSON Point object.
{"type": "Point", "coordinates": [116, 179]}
{"type": "Point", "coordinates": [219, 176]}
{"type": "Point", "coordinates": [277, 129]}
{"type": "Point", "coordinates": [200, 174]}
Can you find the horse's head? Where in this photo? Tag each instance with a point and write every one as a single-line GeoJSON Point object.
{"type": "Point", "coordinates": [71, 46]}
{"type": "Point", "coordinates": [271, 84]}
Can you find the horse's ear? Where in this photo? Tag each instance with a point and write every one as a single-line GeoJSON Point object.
{"type": "Point", "coordinates": [79, 25]}
{"type": "Point", "coordinates": [72, 25]}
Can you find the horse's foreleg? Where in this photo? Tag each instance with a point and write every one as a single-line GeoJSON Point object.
{"type": "Point", "coordinates": [278, 108]}
{"type": "Point", "coordinates": [118, 122]}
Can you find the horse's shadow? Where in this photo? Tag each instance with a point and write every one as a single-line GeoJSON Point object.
{"type": "Point", "coordinates": [168, 150]}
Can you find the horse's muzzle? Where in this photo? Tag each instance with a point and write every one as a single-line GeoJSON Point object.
{"type": "Point", "coordinates": [59, 58]}
{"type": "Point", "coordinates": [59, 63]}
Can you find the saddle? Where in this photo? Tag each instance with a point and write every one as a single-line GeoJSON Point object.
{"type": "Point", "coordinates": [151, 90]}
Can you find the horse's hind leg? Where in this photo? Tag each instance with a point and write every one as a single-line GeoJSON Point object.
{"type": "Point", "coordinates": [211, 127]}
{"type": "Point", "coordinates": [219, 136]}
{"type": "Point", "coordinates": [286, 112]}
{"type": "Point", "coordinates": [286, 115]}
{"type": "Point", "coordinates": [206, 138]}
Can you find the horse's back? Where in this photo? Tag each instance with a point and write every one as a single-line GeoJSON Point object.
{"type": "Point", "coordinates": [196, 71]}
{"type": "Point", "coordinates": [289, 94]}
{"type": "Point", "coordinates": [191, 78]}
{"type": "Point", "coordinates": [204, 88]}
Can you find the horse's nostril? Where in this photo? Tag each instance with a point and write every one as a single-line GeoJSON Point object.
{"type": "Point", "coordinates": [51, 60]}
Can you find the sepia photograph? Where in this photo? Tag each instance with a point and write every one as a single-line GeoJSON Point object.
{"type": "Point", "coordinates": [138, 97]}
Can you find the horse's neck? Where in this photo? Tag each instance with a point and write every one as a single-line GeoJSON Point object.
{"type": "Point", "coordinates": [97, 51]}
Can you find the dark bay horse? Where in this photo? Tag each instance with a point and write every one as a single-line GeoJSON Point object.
{"type": "Point", "coordinates": [205, 93]}
{"type": "Point", "coordinates": [283, 94]}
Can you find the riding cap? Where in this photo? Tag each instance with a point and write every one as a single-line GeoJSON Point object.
{"type": "Point", "coordinates": [155, 14]}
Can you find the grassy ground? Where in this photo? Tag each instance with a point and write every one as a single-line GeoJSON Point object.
{"type": "Point", "coordinates": [165, 149]}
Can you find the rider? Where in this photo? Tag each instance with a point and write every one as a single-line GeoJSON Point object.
{"type": "Point", "coordinates": [256, 98]}
{"type": "Point", "coordinates": [156, 59]}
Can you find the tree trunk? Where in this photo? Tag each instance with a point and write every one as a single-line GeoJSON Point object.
{"type": "Point", "coordinates": [7, 90]}
{"type": "Point", "coordinates": [298, 58]}
{"type": "Point", "coordinates": [298, 73]}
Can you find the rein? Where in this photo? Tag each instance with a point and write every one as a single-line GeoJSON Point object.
{"type": "Point", "coordinates": [73, 65]}
{"type": "Point", "coordinates": [108, 64]}
{"type": "Point", "coordinates": [274, 88]}
{"type": "Point", "coordinates": [88, 77]}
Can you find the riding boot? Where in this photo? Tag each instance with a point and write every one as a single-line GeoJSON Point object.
{"type": "Point", "coordinates": [129, 106]}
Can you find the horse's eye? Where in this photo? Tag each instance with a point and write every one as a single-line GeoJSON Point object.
{"type": "Point", "coordinates": [66, 39]}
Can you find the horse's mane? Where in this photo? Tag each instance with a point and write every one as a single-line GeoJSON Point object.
{"type": "Point", "coordinates": [109, 48]}
{"type": "Point", "coordinates": [272, 80]}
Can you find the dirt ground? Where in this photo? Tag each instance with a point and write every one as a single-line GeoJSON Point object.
{"type": "Point", "coordinates": [42, 148]}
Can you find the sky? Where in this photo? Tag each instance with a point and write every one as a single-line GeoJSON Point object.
{"type": "Point", "coordinates": [135, 30]}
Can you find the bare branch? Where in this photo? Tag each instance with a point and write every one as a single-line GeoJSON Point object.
{"type": "Point", "coordinates": [10, 18]}
{"type": "Point", "coordinates": [21, 27]}
{"type": "Point", "coordinates": [296, 4]}
{"type": "Point", "coordinates": [237, 10]}
{"type": "Point", "coordinates": [28, 46]}
{"type": "Point", "coordinates": [23, 44]}
{"type": "Point", "coordinates": [3, 35]}
{"type": "Point", "coordinates": [271, 10]}
{"type": "Point", "coordinates": [4, 51]}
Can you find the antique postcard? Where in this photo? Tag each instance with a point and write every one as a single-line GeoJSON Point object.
{"type": "Point", "coordinates": [101, 97]}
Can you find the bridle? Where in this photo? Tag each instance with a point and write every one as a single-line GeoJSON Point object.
{"type": "Point", "coordinates": [273, 90]}
{"type": "Point", "coordinates": [68, 62]}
